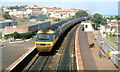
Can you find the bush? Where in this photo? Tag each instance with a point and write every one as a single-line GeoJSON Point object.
{"type": "Point", "coordinates": [23, 36]}
{"type": "Point", "coordinates": [26, 35]}
{"type": "Point", "coordinates": [25, 18]}
{"type": "Point", "coordinates": [16, 35]}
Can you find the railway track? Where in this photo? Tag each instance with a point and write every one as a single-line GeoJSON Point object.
{"type": "Point", "coordinates": [37, 63]}
{"type": "Point", "coordinates": [33, 60]}
{"type": "Point", "coordinates": [67, 57]}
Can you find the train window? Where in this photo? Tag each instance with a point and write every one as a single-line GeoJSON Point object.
{"type": "Point", "coordinates": [43, 36]}
{"type": "Point", "coordinates": [86, 26]}
{"type": "Point", "coordinates": [54, 37]}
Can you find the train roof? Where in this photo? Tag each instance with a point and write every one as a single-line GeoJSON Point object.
{"type": "Point", "coordinates": [54, 27]}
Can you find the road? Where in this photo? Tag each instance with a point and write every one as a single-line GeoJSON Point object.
{"type": "Point", "coordinates": [11, 52]}
{"type": "Point", "coordinates": [86, 54]}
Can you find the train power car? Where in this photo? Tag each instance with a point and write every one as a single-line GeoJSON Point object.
{"type": "Point", "coordinates": [47, 37]}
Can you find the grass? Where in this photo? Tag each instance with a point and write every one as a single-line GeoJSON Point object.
{"type": "Point", "coordinates": [21, 22]}
{"type": "Point", "coordinates": [63, 19]}
{"type": "Point", "coordinates": [112, 40]}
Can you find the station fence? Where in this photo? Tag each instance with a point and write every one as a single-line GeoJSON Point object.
{"type": "Point", "coordinates": [106, 47]}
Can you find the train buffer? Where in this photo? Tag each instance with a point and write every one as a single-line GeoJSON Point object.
{"type": "Point", "coordinates": [101, 54]}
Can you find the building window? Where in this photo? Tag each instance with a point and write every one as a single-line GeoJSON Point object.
{"type": "Point", "coordinates": [86, 26]}
{"type": "Point", "coordinates": [9, 24]}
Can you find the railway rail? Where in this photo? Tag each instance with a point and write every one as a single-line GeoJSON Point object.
{"type": "Point", "coordinates": [68, 53]}
{"type": "Point", "coordinates": [33, 60]}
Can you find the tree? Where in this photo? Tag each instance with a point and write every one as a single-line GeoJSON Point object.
{"type": "Point", "coordinates": [104, 21]}
{"type": "Point", "coordinates": [111, 18]}
{"type": "Point", "coordinates": [80, 13]}
{"type": "Point", "coordinates": [15, 7]}
{"type": "Point", "coordinates": [6, 15]}
{"type": "Point", "coordinates": [16, 35]}
{"type": "Point", "coordinates": [98, 19]}
{"type": "Point", "coordinates": [117, 18]}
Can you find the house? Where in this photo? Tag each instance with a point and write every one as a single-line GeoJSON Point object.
{"type": "Point", "coordinates": [107, 29]}
{"type": "Point", "coordinates": [114, 20]}
{"type": "Point", "coordinates": [34, 12]}
{"type": "Point", "coordinates": [20, 13]}
{"type": "Point", "coordinates": [87, 26]}
{"type": "Point", "coordinates": [102, 30]}
{"type": "Point", "coordinates": [6, 10]}
{"type": "Point", "coordinates": [46, 10]}
{"type": "Point", "coordinates": [61, 14]}
{"type": "Point", "coordinates": [51, 19]}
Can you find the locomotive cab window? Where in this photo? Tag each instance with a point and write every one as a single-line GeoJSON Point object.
{"type": "Point", "coordinates": [43, 36]}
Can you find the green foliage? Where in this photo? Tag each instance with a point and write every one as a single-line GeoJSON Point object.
{"type": "Point", "coordinates": [103, 32]}
{"type": "Point", "coordinates": [15, 7]}
{"type": "Point", "coordinates": [111, 18]}
{"type": "Point", "coordinates": [6, 15]}
{"type": "Point", "coordinates": [71, 17]}
{"type": "Point", "coordinates": [13, 18]}
{"type": "Point", "coordinates": [26, 35]}
{"type": "Point", "coordinates": [117, 18]}
{"type": "Point", "coordinates": [104, 21]}
{"type": "Point", "coordinates": [107, 18]}
{"type": "Point", "coordinates": [113, 35]}
{"type": "Point", "coordinates": [80, 13]}
{"type": "Point", "coordinates": [42, 17]}
{"type": "Point", "coordinates": [98, 19]}
{"type": "Point", "coordinates": [25, 18]}
{"type": "Point", "coordinates": [16, 35]}
{"type": "Point", "coordinates": [32, 17]}
{"type": "Point", "coordinates": [56, 19]}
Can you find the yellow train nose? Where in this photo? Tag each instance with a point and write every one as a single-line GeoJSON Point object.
{"type": "Point", "coordinates": [44, 46]}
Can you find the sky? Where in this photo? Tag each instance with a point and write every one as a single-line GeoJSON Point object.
{"type": "Point", "coordinates": [104, 7]}
{"type": "Point", "coordinates": [59, 0]}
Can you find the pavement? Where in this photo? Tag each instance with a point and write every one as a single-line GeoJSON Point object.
{"type": "Point", "coordinates": [86, 54]}
{"type": "Point", "coordinates": [90, 56]}
{"type": "Point", "coordinates": [12, 51]}
{"type": "Point", "coordinates": [101, 63]}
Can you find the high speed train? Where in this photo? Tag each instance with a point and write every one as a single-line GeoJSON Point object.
{"type": "Point", "coordinates": [47, 37]}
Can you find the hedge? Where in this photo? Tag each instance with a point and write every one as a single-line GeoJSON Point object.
{"type": "Point", "coordinates": [17, 35]}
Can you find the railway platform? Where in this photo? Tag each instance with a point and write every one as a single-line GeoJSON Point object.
{"type": "Point", "coordinates": [88, 58]}
{"type": "Point", "coordinates": [12, 51]}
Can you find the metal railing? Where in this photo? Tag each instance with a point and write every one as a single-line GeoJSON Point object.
{"type": "Point", "coordinates": [106, 47]}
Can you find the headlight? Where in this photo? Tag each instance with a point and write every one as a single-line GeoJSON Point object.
{"type": "Point", "coordinates": [43, 44]}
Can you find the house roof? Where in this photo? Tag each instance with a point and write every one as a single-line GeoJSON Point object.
{"type": "Point", "coordinates": [43, 7]}
{"type": "Point", "coordinates": [35, 5]}
{"type": "Point", "coordinates": [63, 13]}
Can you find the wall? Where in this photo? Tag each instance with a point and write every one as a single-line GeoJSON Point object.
{"type": "Point", "coordinates": [19, 29]}
{"type": "Point", "coordinates": [24, 29]}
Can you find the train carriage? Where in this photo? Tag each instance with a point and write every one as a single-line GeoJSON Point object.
{"type": "Point", "coordinates": [47, 37]}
